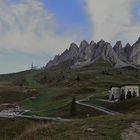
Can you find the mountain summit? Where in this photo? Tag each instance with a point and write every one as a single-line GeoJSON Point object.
{"type": "Point", "coordinates": [89, 53]}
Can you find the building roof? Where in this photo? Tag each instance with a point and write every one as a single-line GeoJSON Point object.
{"type": "Point", "coordinates": [124, 85]}
{"type": "Point", "coordinates": [129, 85]}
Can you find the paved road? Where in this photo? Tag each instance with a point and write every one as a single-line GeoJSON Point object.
{"type": "Point", "coordinates": [33, 117]}
{"type": "Point", "coordinates": [105, 100]}
{"type": "Point", "coordinates": [100, 108]}
{"type": "Point", "coordinates": [45, 118]}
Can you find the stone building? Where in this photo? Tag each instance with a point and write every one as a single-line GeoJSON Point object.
{"type": "Point", "coordinates": [115, 93]}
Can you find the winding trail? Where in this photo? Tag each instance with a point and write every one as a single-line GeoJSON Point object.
{"type": "Point", "coordinates": [100, 108]}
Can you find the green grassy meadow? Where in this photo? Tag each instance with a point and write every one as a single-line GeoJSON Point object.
{"type": "Point", "coordinates": [56, 88]}
{"type": "Point", "coordinates": [105, 128]}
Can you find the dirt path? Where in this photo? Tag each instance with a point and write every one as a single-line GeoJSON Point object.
{"type": "Point", "coordinates": [132, 133]}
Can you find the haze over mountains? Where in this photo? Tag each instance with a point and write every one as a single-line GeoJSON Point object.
{"type": "Point", "coordinates": [88, 53]}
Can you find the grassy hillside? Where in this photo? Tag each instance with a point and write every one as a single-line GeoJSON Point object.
{"type": "Point", "coordinates": [23, 77]}
{"type": "Point", "coordinates": [100, 75]}
{"type": "Point", "coordinates": [61, 81]}
{"type": "Point", "coordinates": [13, 94]}
{"type": "Point", "coordinates": [58, 85]}
{"type": "Point", "coordinates": [55, 89]}
{"type": "Point", "coordinates": [12, 128]}
{"type": "Point", "coordinates": [52, 100]}
{"type": "Point", "coordinates": [104, 128]}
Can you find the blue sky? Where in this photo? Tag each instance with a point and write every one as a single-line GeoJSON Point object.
{"type": "Point", "coordinates": [36, 30]}
{"type": "Point", "coordinates": [136, 11]}
{"type": "Point", "coordinates": [70, 14]}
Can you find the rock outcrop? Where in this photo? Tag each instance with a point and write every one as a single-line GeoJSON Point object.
{"type": "Point", "coordinates": [135, 53]}
{"type": "Point", "coordinates": [88, 53]}
{"type": "Point", "coordinates": [122, 52]}
{"type": "Point", "coordinates": [128, 54]}
{"type": "Point", "coordinates": [71, 54]}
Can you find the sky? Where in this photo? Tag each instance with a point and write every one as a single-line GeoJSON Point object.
{"type": "Point", "coordinates": [34, 31]}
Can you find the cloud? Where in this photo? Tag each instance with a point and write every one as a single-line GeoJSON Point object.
{"type": "Point", "coordinates": [113, 20]}
{"type": "Point", "coordinates": [27, 26]}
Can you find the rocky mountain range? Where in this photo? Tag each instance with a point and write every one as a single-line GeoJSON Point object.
{"type": "Point", "coordinates": [88, 53]}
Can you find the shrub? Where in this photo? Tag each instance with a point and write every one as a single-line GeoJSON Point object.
{"type": "Point", "coordinates": [78, 78]}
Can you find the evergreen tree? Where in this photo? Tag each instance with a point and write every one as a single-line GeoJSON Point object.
{"type": "Point", "coordinates": [21, 85]}
{"type": "Point", "coordinates": [78, 78]}
{"type": "Point", "coordinates": [73, 110]}
{"type": "Point", "coordinates": [136, 75]}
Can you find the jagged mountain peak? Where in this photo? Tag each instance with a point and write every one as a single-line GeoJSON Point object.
{"type": "Point", "coordinates": [128, 45]}
{"type": "Point", "coordinates": [88, 53]}
{"type": "Point", "coordinates": [137, 43]}
{"type": "Point", "coordinates": [92, 43]}
{"type": "Point", "coordinates": [73, 46]}
{"type": "Point", "coordinates": [108, 44]}
{"type": "Point", "coordinates": [83, 44]}
{"type": "Point", "coordinates": [135, 53]}
{"type": "Point", "coordinates": [128, 49]}
{"type": "Point", "coordinates": [118, 46]}
{"type": "Point", "coordinates": [138, 40]}
{"type": "Point", "coordinates": [103, 50]}
{"type": "Point", "coordinates": [101, 42]}
{"type": "Point", "coordinates": [122, 52]}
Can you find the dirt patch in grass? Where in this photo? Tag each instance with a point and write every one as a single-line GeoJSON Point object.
{"type": "Point", "coordinates": [132, 133]}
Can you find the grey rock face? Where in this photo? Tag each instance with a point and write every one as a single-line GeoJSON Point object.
{"type": "Point", "coordinates": [88, 53]}
{"type": "Point", "coordinates": [82, 55]}
{"type": "Point", "coordinates": [70, 54]}
{"type": "Point", "coordinates": [73, 51]}
{"type": "Point", "coordinates": [121, 52]}
{"type": "Point", "coordinates": [127, 50]}
{"type": "Point", "coordinates": [118, 47]}
{"type": "Point", "coordinates": [53, 62]}
{"type": "Point", "coordinates": [102, 50]}
{"type": "Point", "coordinates": [129, 54]}
{"type": "Point", "coordinates": [105, 51]}
{"type": "Point", "coordinates": [83, 45]}
{"type": "Point", "coordinates": [135, 53]}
